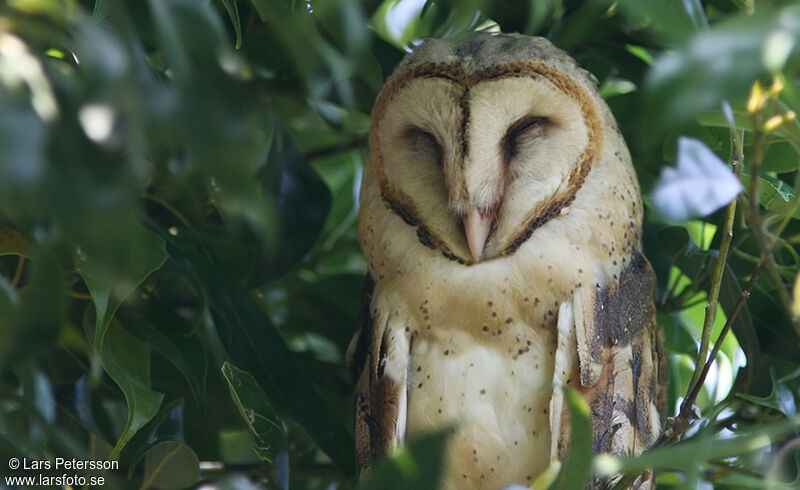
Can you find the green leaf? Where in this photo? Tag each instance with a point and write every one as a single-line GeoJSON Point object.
{"type": "Point", "coordinates": [233, 12]}
{"type": "Point", "coordinates": [164, 426]}
{"type": "Point", "coordinates": [170, 465]}
{"type": "Point", "coordinates": [577, 464]}
{"type": "Point", "coordinates": [416, 465]}
{"type": "Point", "coordinates": [717, 64]}
{"type": "Point", "coordinates": [11, 242]}
{"type": "Point", "coordinates": [668, 22]}
{"type": "Point", "coordinates": [127, 362]}
{"type": "Point", "coordinates": [172, 337]}
{"type": "Point", "coordinates": [689, 453]}
{"type": "Point", "coordinates": [780, 398]}
{"type": "Point", "coordinates": [266, 430]}
{"type": "Point", "coordinates": [775, 194]}
{"type": "Point", "coordinates": [34, 315]}
{"type": "Point", "coordinates": [109, 291]}
{"type": "Point", "coordinates": [253, 343]}
{"type": "Point", "coordinates": [303, 203]}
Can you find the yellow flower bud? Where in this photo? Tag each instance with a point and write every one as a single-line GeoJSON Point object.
{"type": "Point", "coordinates": [789, 116]}
{"type": "Point", "coordinates": [772, 123]}
{"type": "Point", "coordinates": [776, 88]}
{"type": "Point", "coordinates": [757, 99]}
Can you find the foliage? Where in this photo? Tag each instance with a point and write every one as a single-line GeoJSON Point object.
{"type": "Point", "coordinates": [179, 274]}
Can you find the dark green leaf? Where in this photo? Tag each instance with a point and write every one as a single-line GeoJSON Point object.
{"type": "Point", "coordinates": [252, 341]}
{"type": "Point", "coordinates": [108, 292]}
{"type": "Point", "coordinates": [34, 315]}
{"type": "Point", "coordinates": [269, 436]}
{"type": "Point", "coordinates": [167, 425]}
{"type": "Point", "coordinates": [233, 12]}
{"type": "Point", "coordinates": [172, 337]}
{"type": "Point", "coordinates": [127, 362]}
{"type": "Point", "coordinates": [303, 203]}
{"type": "Point", "coordinates": [780, 398]}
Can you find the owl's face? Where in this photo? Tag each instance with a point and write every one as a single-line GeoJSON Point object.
{"type": "Point", "coordinates": [479, 144]}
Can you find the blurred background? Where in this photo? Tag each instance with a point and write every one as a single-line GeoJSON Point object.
{"type": "Point", "coordinates": [179, 272]}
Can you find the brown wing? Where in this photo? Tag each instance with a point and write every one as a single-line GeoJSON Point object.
{"type": "Point", "coordinates": [378, 364]}
{"type": "Point", "coordinates": [622, 363]}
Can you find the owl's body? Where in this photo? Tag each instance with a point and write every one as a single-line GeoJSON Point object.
{"type": "Point", "coordinates": [501, 220]}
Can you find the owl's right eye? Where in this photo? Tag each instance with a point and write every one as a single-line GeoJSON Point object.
{"type": "Point", "coordinates": [424, 143]}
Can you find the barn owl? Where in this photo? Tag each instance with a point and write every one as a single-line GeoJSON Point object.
{"type": "Point", "coordinates": [500, 217]}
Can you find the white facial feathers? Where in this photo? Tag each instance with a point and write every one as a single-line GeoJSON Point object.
{"type": "Point", "coordinates": [501, 148]}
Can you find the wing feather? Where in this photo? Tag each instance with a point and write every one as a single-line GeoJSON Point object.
{"type": "Point", "coordinates": [379, 363]}
{"type": "Point", "coordinates": [622, 365]}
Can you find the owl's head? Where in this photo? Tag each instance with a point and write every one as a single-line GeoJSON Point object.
{"type": "Point", "coordinates": [480, 140]}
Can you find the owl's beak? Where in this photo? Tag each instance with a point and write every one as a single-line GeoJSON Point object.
{"type": "Point", "coordinates": [477, 226]}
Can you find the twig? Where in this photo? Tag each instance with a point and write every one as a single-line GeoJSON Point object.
{"type": "Point", "coordinates": [18, 273]}
{"type": "Point", "coordinates": [757, 224]}
{"type": "Point", "coordinates": [688, 402]}
{"type": "Point", "coordinates": [724, 247]}
{"type": "Point", "coordinates": [78, 294]}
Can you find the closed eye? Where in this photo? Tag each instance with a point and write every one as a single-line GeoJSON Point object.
{"type": "Point", "coordinates": [424, 142]}
{"type": "Point", "coordinates": [527, 125]}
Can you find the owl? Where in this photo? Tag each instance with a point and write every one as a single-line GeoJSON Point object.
{"type": "Point", "coordinates": [500, 217]}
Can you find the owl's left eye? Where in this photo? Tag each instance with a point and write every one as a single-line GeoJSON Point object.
{"type": "Point", "coordinates": [523, 127]}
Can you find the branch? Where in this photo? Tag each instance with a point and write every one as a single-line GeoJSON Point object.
{"type": "Point", "coordinates": [724, 247]}
{"type": "Point", "coordinates": [18, 273]}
